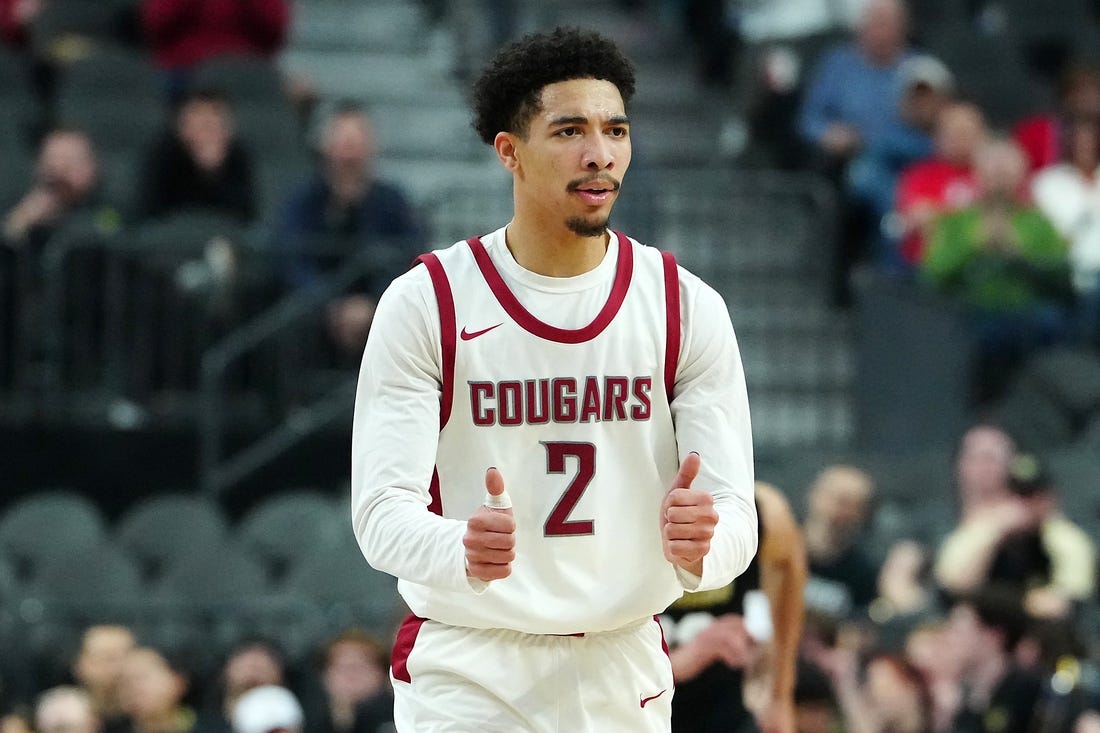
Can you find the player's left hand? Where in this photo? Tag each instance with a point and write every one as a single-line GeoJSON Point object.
{"type": "Point", "coordinates": [688, 519]}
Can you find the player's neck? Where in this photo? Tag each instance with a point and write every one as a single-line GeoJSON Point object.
{"type": "Point", "coordinates": [559, 253]}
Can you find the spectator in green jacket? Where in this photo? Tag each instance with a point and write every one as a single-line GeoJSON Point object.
{"type": "Point", "coordinates": [1007, 264]}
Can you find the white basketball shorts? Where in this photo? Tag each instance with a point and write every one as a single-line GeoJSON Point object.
{"type": "Point", "coordinates": [450, 679]}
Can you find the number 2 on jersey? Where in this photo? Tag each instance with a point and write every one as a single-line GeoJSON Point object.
{"type": "Point", "coordinates": [558, 524]}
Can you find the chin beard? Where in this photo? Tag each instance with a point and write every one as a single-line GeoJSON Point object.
{"type": "Point", "coordinates": [586, 228]}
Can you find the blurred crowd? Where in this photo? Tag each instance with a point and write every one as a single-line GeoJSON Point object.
{"type": "Point", "coordinates": [986, 624]}
{"type": "Point", "coordinates": [995, 210]}
{"type": "Point", "coordinates": [285, 235]}
{"type": "Point", "coordinates": [979, 615]}
{"type": "Point", "coordinates": [119, 685]}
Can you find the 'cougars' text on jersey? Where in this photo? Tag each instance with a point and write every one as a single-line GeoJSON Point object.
{"type": "Point", "coordinates": [560, 400]}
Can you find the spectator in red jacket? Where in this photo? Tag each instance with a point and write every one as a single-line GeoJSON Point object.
{"type": "Point", "coordinates": [183, 33]}
{"type": "Point", "coordinates": [943, 182]}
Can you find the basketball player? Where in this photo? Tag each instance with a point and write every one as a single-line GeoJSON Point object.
{"type": "Point", "coordinates": [734, 657]}
{"type": "Point", "coordinates": [551, 439]}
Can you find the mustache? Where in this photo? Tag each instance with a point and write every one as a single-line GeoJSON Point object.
{"type": "Point", "coordinates": [598, 178]}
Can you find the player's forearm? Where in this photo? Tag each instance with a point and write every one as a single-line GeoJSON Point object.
{"type": "Point", "coordinates": [730, 474]}
{"type": "Point", "coordinates": [711, 412]}
{"type": "Point", "coordinates": [393, 454]}
{"type": "Point", "coordinates": [399, 536]}
{"type": "Point", "coordinates": [787, 609]}
{"type": "Point", "coordinates": [394, 437]}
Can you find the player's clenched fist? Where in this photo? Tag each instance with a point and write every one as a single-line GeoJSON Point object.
{"type": "Point", "coordinates": [490, 538]}
{"type": "Point", "coordinates": [688, 519]}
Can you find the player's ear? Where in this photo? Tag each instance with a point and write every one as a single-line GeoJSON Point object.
{"type": "Point", "coordinates": [507, 146]}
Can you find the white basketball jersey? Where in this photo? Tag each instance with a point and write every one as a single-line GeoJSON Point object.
{"type": "Point", "coordinates": [578, 422]}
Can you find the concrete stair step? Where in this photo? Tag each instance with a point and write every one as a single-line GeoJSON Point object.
{"type": "Point", "coordinates": [373, 75]}
{"type": "Point", "coordinates": [781, 420]}
{"type": "Point", "coordinates": [336, 25]}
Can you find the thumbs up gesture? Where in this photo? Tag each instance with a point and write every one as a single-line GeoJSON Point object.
{"type": "Point", "coordinates": [490, 538]}
{"type": "Point", "coordinates": [688, 519]}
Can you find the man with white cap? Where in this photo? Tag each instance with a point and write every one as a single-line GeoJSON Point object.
{"type": "Point", "coordinates": [267, 709]}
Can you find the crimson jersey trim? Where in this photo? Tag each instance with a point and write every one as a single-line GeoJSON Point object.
{"type": "Point", "coordinates": [672, 321]}
{"type": "Point", "coordinates": [447, 330]}
{"type": "Point", "coordinates": [526, 320]}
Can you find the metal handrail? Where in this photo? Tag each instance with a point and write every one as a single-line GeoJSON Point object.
{"type": "Point", "coordinates": [81, 235]}
{"type": "Point", "coordinates": [216, 472]}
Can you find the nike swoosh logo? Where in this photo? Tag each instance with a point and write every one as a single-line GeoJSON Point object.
{"type": "Point", "coordinates": [644, 700]}
{"type": "Point", "coordinates": [467, 335]}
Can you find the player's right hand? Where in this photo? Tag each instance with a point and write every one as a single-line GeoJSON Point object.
{"type": "Point", "coordinates": [490, 538]}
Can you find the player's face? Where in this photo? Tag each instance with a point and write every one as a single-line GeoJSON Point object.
{"type": "Point", "coordinates": [573, 158]}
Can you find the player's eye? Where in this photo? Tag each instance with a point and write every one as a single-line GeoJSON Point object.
{"type": "Point", "coordinates": [618, 132]}
{"type": "Point", "coordinates": [569, 132]}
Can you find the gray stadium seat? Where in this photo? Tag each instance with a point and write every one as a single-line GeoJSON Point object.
{"type": "Point", "coordinates": [244, 79]}
{"type": "Point", "coordinates": [1034, 417]}
{"type": "Point", "coordinates": [1076, 475]}
{"type": "Point", "coordinates": [115, 72]}
{"type": "Point", "coordinates": [8, 580]}
{"type": "Point", "coordinates": [1071, 376]}
{"type": "Point", "coordinates": [46, 525]}
{"type": "Point", "coordinates": [217, 579]}
{"type": "Point", "coordinates": [17, 95]}
{"type": "Point", "coordinates": [284, 526]}
{"type": "Point", "coordinates": [904, 332]}
{"type": "Point", "coordinates": [88, 585]}
{"type": "Point", "coordinates": [277, 176]}
{"type": "Point", "coordinates": [991, 70]}
{"type": "Point", "coordinates": [1090, 436]}
{"type": "Point", "coordinates": [349, 591]}
{"type": "Point", "coordinates": [100, 574]}
{"type": "Point", "coordinates": [165, 529]}
{"type": "Point", "coordinates": [269, 130]}
{"type": "Point", "coordinates": [112, 124]}
{"type": "Point", "coordinates": [16, 157]}
{"type": "Point", "coordinates": [214, 597]}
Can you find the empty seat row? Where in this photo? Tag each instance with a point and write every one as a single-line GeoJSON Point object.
{"type": "Point", "coordinates": [176, 569]}
{"type": "Point", "coordinates": [176, 538]}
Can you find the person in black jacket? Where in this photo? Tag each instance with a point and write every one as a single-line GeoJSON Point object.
{"type": "Point", "coordinates": [199, 164]}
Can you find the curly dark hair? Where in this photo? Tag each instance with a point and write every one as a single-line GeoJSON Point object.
{"type": "Point", "coordinates": [507, 93]}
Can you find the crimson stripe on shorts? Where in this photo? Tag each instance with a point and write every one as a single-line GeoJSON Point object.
{"type": "Point", "coordinates": [672, 321]}
{"type": "Point", "coordinates": [664, 643]}
{"type": "Point", "coordinates": [623, 272]}
{"type": "Point", "coordinates": [403, 645]}
{"type": "Point", "coordinates": [447, 330]}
